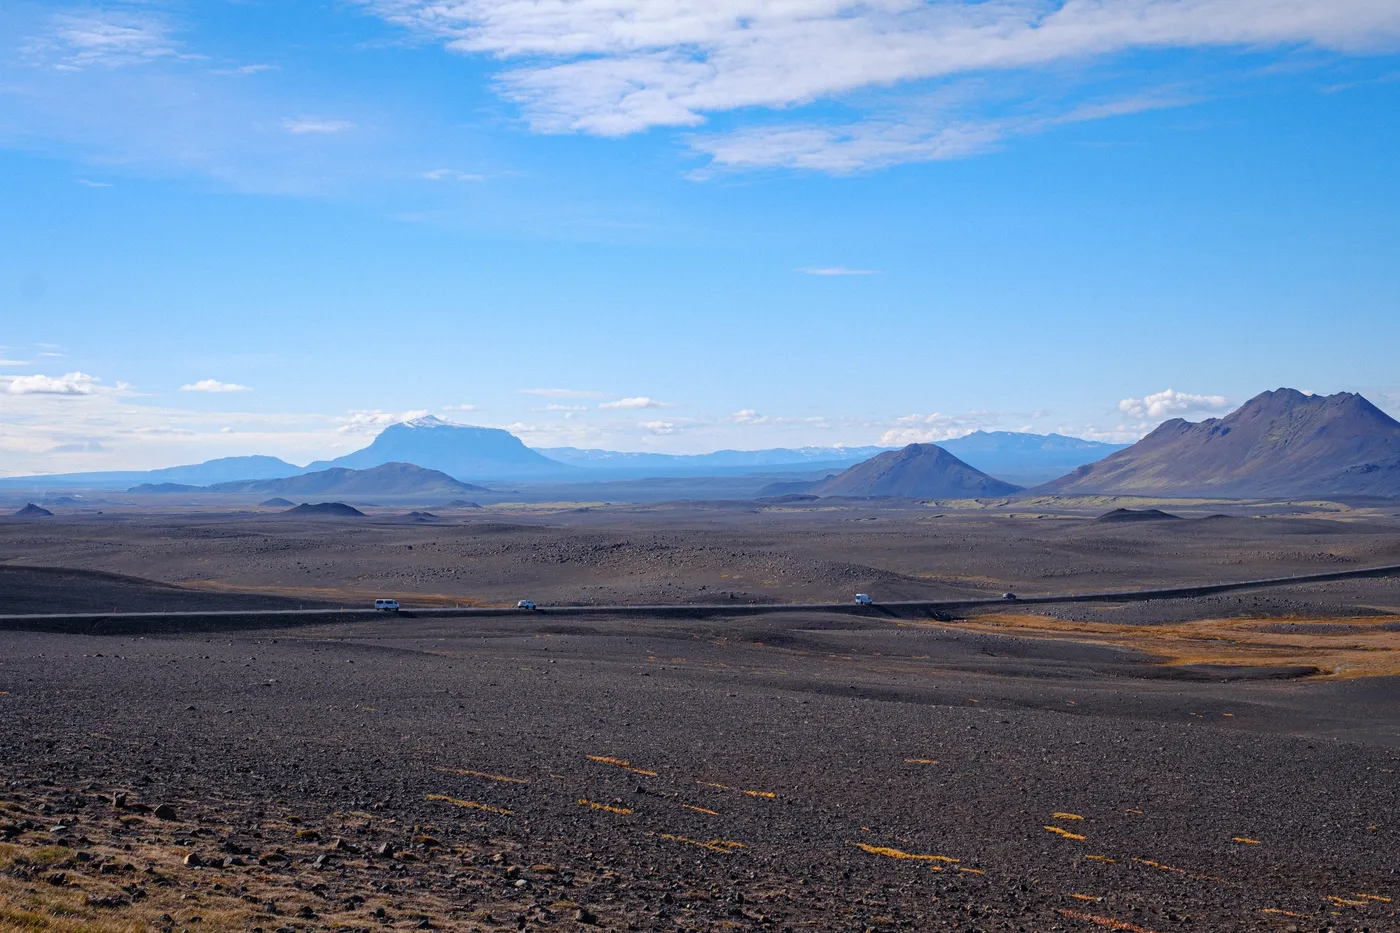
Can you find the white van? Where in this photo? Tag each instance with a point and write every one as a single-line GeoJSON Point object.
{"type": "Point", "coordinates": [863, 599]}
{"type": "Point", "coordinates": [386, 605]}
{"type": "Point", "coordinates": [525, 604]}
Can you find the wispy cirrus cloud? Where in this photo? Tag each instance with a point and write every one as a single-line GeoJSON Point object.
{"type": "Point", "coordinates": [104, 37]}
{"type": "Point", "coordinates": [300, 126]}
{"type": "Point", "coordinates": [615, 67]}
{"type": "Point", "coordinates": [835, 270]}
{"type": "Point", "coordinates": [562, 393]}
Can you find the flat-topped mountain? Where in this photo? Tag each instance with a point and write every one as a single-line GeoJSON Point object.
{"type": "Point", "coordinates": [1023, 458]}
{"type": "Point", "coordinates": [1280, 443]}
{"type": "Point", "coordinates": [460, 451]}
{"type": "Point", "coordinates": [919, 471]}
{"type": "Point", "coordinates": [389, 479]}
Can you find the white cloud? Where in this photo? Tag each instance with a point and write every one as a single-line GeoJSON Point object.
{"type": "Point", "coordinates": [14, 362]}
{"type": "Point", "coordinates": [373, 421]}
{"type": "Point", "coordinates": [1170, 402]}
{"type": "Point", "coordinates": [87, 183]}
{"type": "Point", "coordinates": [636, 403]}
{"type": "Point", "coordinates": [451, 174]}
{"type": "Point", "coordinates": [660, 427]}
{"type": "Point", "coordinates": [304, 125]}
{"type": "Point", "coordinates": [561, 393]}
{"type": "Point", "coordinates": [614, 67]}
{"type": "Point", "coordinates": [748, 416]}
{"type": "Point", "coordinates": [214, 385]}
{"type": "Point", "coordinates": [929, 429]}
{"type": "Point", "coordinates": [460, 408]}
{"type": "Point", "coordinates": [555, 406]}
{"type": "Point", "coordinates": [68, 384]}
{"type": "Point", "coordinates": [835, 270]}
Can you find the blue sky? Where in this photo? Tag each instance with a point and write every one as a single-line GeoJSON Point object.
{"type": "Point", "coordinates": [274, 227]}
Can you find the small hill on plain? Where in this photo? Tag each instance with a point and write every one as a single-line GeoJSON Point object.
{"type": "Point", "coordinates": [1133, 516]}
{"type": "Point", "coordinates": [277, 502]}
{"type": "Point", "coordinates": [325, 510]}
{"type": "Point", "coordinates": [33, 511]}
{"type": "Point", "coordinates": [1279, 443]}
{"type": "Point", "coordinates": [919, 471]}
{"type": "Point", "coordinates": [389, 479]}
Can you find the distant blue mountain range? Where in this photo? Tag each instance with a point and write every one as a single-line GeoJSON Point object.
{"type": "Point", "coordinates": [476, 454]}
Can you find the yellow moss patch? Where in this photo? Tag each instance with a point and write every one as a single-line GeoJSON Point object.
{"type": "Point", "coordinates": [1353, 647]}
{"type": "Point", "coordinates": [700, 809]}
{"type": "Point", "coordinates": [602, 806]}
{"type": "Point", "coordinates": [1066, 816]}
{"type": "Point", "coordinates": [725, 846]}
{"type": "Point", "coordinates": [1064, 832]}
{"type": "Point", "coordinates": [887, 852]}
{"type": "Point", "coordinates": [620, 763]}
{"type": "Point", "coordinates": [1246, 841]}
{"type": "Point", "coordinates": [482, 774]}
{"type": "Point", "coordinates": [466, 804]}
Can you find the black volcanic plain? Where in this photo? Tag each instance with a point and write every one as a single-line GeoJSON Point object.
{"type": "Point", "coordinates": [1224, 763]}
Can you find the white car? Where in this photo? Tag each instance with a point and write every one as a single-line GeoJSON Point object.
{"type": "Point", "coordinates": [386, 605]}
{"type": "Point", "coordinates": [525, 604]}
{"type": "Point", "coordinates": [864, 599]}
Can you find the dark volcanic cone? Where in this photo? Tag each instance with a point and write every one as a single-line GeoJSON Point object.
{"type": "Point", "coordinates": [1280, 443]}
{"type": "Point", "coordinates": [919, 471]}
{"type": "Point", "coordinates": [33, 511]}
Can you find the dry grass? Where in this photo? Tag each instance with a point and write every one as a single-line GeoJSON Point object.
{"type": "Point", "coordinates": [1360, 647]}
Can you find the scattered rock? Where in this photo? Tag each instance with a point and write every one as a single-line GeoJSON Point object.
{"type": "Point", "coordinates": [584, 915]}
{"type": "Point", "coordinates": [193, 860]}
{"type": "Point", "coordinates": [166, 812]}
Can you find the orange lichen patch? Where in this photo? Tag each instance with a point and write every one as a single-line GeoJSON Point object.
{"type": "Point", "coordinates": [620, 763]}
{"type": "Point", "coordinates": [1356, 647]}
{"type": "Point", "coordinates": [724, 846]}
{"type": "Point", "coordinates": [466, 804]}
{"type": "Point", "coordinates": [1347, 902]}
{"type": "Point", "coordinates": [766, 795]}
{"type": "Point", "coordinates": [1374, 897]}
{"type": "Point", "coordinates": [897, 854]}
{"type": "Point", "coordinates": [1245, 841]}
{"type": "Point", "coordinates": [921, 761]}
{"type": "Point", "coordinates": [1101, 858]}
{"type": "Point", "coordinates": [1065, 816]}
{"type": "Point", "coordinates": [482, 774]}
{"type": "Point", "coordinates": [1064, 832]}
{"type": "Point", "coordinates": [715, 786]}
{"type": "Point", "coordinates": [1085, 897]}
{"type": "Point", "coordinates": [1138, 812]}
{"type": "Point", "coordinates": [1281, 912]}
{"type": "Point", "coordinates": [623, 811]}
{"type": "Point", "coordinates": [1107, 923]}
{"type": "Point", "coordinates": [972, 871]}
{"type": "Point", "coordinates": [699, 809]}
